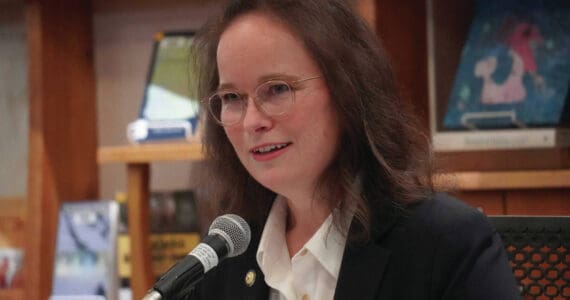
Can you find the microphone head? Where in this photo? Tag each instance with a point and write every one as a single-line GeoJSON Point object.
{"type": "Point", "coordinates": [234, 230]}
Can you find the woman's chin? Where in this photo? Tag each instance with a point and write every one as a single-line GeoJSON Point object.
{"type": "Point", "coordinates": [274, 182]}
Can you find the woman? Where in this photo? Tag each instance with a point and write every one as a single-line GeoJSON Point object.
{"type": "Point", "coordinates": [310, 143]}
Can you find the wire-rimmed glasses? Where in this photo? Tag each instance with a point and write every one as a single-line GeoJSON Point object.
{"type": "Point", "coordinates": [273, 97]}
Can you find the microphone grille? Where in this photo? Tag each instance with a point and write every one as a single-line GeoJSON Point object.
{"type": "Point", "coordinates": [235, 230]}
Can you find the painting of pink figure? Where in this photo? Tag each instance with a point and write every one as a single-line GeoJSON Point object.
{"type": "Point", "coordinates": [523, 39]}
{"type": "Point", "coordinates": [516, 58]}
{"type": "Point", "coordinates": [511, 90]}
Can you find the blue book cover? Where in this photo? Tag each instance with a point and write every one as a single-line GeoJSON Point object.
{"type": "Point", "coordinates": [86, 247]}
{"type": "Point", "coordinates": [514, 70]}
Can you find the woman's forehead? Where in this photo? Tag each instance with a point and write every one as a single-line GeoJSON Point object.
{"type": "Point", "coordinates": [258, 42]}
{"type": "Point", "coordinates": [256, 34]}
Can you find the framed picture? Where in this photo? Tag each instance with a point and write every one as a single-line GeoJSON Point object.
{"type": "Point", "coordinates": [170, 108]}
{"type": "Point", "coordinates": [514, 70]}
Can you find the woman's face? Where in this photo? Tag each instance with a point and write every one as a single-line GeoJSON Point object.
{"type": "Point", "coordinates": [285, 153]}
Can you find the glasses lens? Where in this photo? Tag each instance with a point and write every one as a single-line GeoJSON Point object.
{"type": "Point", "coordinates": [275, 97]}
{"type": "Point", "coordinates": [226, 107]}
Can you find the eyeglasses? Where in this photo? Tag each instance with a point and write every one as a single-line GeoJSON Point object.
{"type": "Point", "coordinates": [273, 97]}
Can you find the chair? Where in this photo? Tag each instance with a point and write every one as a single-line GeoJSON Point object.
{"type": "Point", "coordinates": [539, 254]}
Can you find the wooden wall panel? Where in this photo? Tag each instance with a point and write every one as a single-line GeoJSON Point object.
{"type": "Point", "coordinates": [523, 159]}
{"type": "Point", "coordinates": [450, 21]}
{"type": "Point", "coordinates": [402, 27]}
{"type": "Point", "coordinates": [538, 202]}
{"type": "Point", "coordinates": [367, 9]}
{"type": "Point", "coordinates": [489, 202]}
{"type": "Point", "coordinates": [62, 127]}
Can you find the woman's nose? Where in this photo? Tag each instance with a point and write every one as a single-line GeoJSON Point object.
{"type": "Point", "coordinates": [255, 120]}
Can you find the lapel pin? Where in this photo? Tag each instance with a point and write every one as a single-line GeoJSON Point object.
{"type": "Point", "coordinates": [250, 278]}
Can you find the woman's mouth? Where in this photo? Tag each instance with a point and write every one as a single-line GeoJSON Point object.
{"type": "Point", "coordinates": [269, 151]}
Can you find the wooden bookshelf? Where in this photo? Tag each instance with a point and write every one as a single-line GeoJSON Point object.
{"type": "Point", "coordinates": [425, 53]}
{"type": "Point", "coordinates": [13, 207]}
{"type": "Point", "coordinates": [465, 181]}
{"type": "Point", "coordinates": [12, 221]}
{"type": "Point", "coordinates": [138, 159]}
{"type": "Point", "coordinates": [527, 177]}
{"type": "Point", "coordinates": [62, 130]}
{"type": "Point", "coordinates": [62, 149]}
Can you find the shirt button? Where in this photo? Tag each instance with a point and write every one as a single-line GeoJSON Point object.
{"type": "Point", "coordinates": [305, 297]}
{"type": "Point", "coordinates": [303, 253]}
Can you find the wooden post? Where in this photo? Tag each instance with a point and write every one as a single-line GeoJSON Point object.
{"type": "Point", "coordinates": [63, 140]}
{"type": "Point", "coordinates": [139, 227]}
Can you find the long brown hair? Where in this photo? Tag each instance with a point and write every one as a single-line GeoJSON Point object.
{"type": "Point", "coordinates": [380, 141]}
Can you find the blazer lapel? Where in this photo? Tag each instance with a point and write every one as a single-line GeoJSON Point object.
{"type": "Point", "coordinates": [363, 265]}
{"type": "Point", "coordinates": [253, 285]}
{"type": "Point", "coordinates": [361, 271]}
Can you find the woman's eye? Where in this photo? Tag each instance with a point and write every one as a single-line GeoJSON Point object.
{"type": "Point", "coordinates": [230, 97]}
{"type": "Point", "coordinates": [278, 89]}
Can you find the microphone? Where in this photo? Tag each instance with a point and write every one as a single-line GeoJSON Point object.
{"type": "Point", "coordinates": [228, 236]}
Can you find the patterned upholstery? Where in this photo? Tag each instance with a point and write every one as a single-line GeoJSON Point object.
{"type": "Point", "coordinates": [539, 254]}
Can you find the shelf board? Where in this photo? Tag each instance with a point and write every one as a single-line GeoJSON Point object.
{"type": "Point", "coordinates": [12, 294]}
{"type": "Point", "coordinates": [504, 180]}
{"type": "Point", "coordinates": [13, 207]}
{"type": "Point", "coordinates": [464, 181]}
{"type": "Point", "coordinates": [148, 153]}
{"type": "Point", "coordinates": [501, 139]}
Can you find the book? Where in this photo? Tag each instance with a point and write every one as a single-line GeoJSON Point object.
{"type": "Point", "coordinates": [85, 255]}
{"type": "Point", "coordinates": [173, 211]}
{"type": "Point", "coordinates": [11, 267]}
{"type": "Point", "coordinates": [166, 250]}
{"type": "Point", "coordinates": [174, 229]}
{"type": "Point", "coordinates": [170, 108]}
{"type": "Point", "coordinates": [514, 70]}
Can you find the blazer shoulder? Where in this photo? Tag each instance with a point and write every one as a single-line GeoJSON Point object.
{"type": "Point", "coordinates": [442, 214]}
{"type": "Point", "coordinates": [467, 255]}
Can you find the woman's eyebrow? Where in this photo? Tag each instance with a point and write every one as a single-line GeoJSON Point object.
{"type": "Point", "coordinates": [276, 76]}
{"type": "Point", "coordinates": [262, 79]}
{"type": "Point", "coordinates": [224, 86]}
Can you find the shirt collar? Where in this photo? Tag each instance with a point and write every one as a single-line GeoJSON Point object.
{"type": "Point", "coordinates": [272, 252]}
{"type": "Point", "coordinates": [326, 245]}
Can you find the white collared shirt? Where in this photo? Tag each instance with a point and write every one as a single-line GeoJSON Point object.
{"type": "Point", "coordinates": [311, 273]}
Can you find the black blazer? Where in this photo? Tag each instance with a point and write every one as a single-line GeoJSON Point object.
{"type": "Point", "coordinates": [436, 249]}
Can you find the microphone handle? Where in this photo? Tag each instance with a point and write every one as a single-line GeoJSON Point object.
{"type": "Point", "coordinates": [185, 273]}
